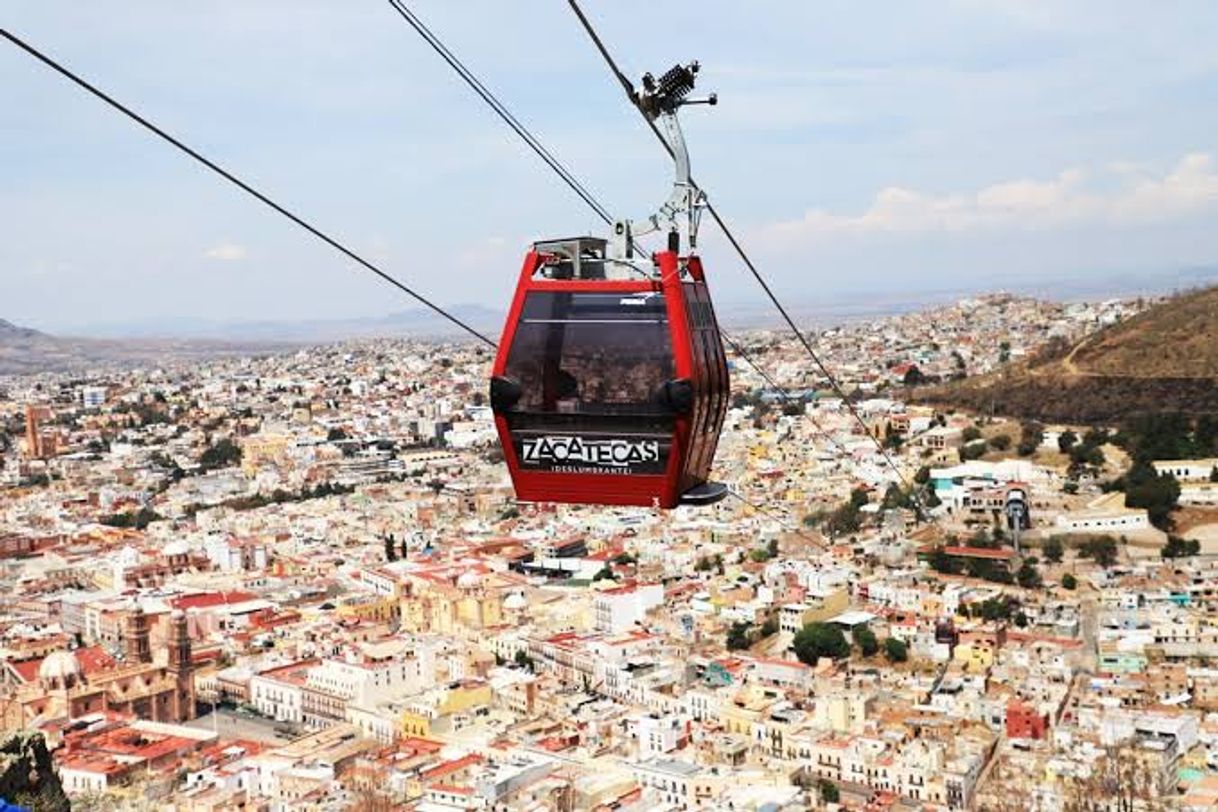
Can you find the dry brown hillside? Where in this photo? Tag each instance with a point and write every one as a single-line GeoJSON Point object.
{"type": "Point", "coordinates": [1162, 360]}
{"type": "Point", "coordinates": [1177, 339]}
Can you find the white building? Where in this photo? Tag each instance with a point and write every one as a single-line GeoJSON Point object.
{"type": "Point", "coordinates": [679, 783]}
{"type": "Point", "coordinates": [92, 397]}
{"type": "Point", "coordinates": [659, 734]}
{"type": "Point", "coordinates": [279, 692]}
{"type": "Point", "coordinates": [1188, 470]}
{"type": "Point", "coordinates": [1199, 493]}
{"type": "Point", "coordinates": [1106, 514]}
{"type": "Point", "coordinates": [620, 608]}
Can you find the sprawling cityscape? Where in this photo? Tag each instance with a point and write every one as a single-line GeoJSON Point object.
{"type": "Point", "coordinates": [302, 580]}
{"type": "Point", "coordinates": [390, 421]}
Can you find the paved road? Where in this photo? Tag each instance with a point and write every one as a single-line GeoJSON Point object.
{"type": "Point", "coordinates": [1089, 626]}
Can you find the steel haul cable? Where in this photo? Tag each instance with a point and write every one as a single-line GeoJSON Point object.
{"type": "Point", "coordinates": [549, 158]}
{"type": "Point", "coordinates": [628, 87]}
{"type": "Point", "coordinates": [245, 187]}
{"type": "Point", "coordinates": [487, 96]}
{"type": "Point", "coordinates": [559, 168]}
{"type": "Point", "coordinates": [334, 243]}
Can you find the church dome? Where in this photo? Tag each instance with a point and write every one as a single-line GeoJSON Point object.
{"type": "Point", "coordinates": [60, 668]}
{"type": "Point", "coordinates": [515, 602]}
{"type": "Point", "coordinates": [469, 580]}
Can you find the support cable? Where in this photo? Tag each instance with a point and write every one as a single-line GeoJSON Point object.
{"type": "Point", "coordinates": [553, 162]}
{"type": "Point", "coordinates": [240, 184]}
{"type": "Point", "coordinates": [628, 87]}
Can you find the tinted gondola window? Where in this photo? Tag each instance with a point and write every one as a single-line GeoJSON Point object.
{"type": "Point", "coordinates": [591, 353]}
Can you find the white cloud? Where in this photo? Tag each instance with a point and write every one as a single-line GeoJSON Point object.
{"type": "Point", "coordinates": [1118, 195]}
{"type": "Point", "coordinates": [226, 252]}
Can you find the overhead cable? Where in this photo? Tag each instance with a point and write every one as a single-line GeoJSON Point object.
{"type": "Point", "coordinates": [628, 87]}
{"type": "Point", "coordinates": [245, 187]}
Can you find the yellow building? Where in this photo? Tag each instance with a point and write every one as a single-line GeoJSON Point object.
{"type": "Point", "coordinates": [380, 609]}
{"type": "Point", "coordinates": [434, 711]}
{"type": "Point", "coordinates": [416, 722]}
{"type": "Point", "coordinates": [444, 609]}
{"type": "Point", "coordinates": [746, 709]}
{"type": "Point", "coordinates": [465, 695]}
{"type": "Point", "coordinates": [264, 450]}
{"type": "Point", "coordinates": [974, 657]}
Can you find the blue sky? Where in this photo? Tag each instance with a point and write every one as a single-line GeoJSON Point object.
{"type": "Point", "coordinates": [858, 146]}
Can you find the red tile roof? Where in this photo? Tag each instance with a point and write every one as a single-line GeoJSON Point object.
{"type": "Point", "coordinates": [206, 600]}
{"type": "Point", "coordinates": [450, 767]}
{"type": "Point", "coordinates": [92, 659]}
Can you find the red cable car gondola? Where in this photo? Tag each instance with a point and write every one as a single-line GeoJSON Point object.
{"type": "Point", "coordinates": [610, 385]}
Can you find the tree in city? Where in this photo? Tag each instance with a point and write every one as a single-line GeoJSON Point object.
{"type": "Point", "coordinates": [846, 519]}
{"type": "Point", "coordinates": [971, 451]}
{"type": "Point", "coordinates": [759, 555]}
{"type": "Point", "coordinates": [738, 636]}
{"type": "Point", "coordinates": [220, 454]}
{"type": "Point", "coordinates": [1066, 441]}
{"type": "Point", "coordinates": [135, 519]}
{"type": "Point", "coordinates": [1126, 778]}
{"type": "Point", "coordinates": [961, 367]}
{"type": "Point", "coordinates": [402, 549]}
{"type": "Point", "coordinates": [1028, 576]}
{"type": "Point", "coordinates": [772, 548]}
{"type": "Point", "coordinates": [370, 799]}
{"type": "Point", "coordinates": [922, 476]}
{"type": "Point", "coordinates": [605, 573]}
{"type": "Point", "coordinates": [524, 661]}
{"type": "Point", "coordinates": [1102, 550]}
{"type": "Point", "coordinates": [335, 434]}
{"type": "Point", "coordinates": [1069, 582]}
{"type": "Point", "coordinates": [896, 497]}
{"type": "Point", "coordinates": [818, 640]}
{"type": "Point", "coordinates": [940, 561]}
{"type": "Point", "coordinates": [1030, 437]}
{"type": "Point", "coordinates": [970, 433]}
{"type": "Point", "coordinates": [770, 627]}
{"type": "Point", "coordinates": [1177, 547]}
{"type": "Point", "coordinates": [896, 650]}
{"type": "Point", "coordinates": [1000, 442]}
{"type": "Point", "coordinates": [999, 608]}
{"type": "Point", "coordinates": [1054, 549]}
{"type": "Point", "coordinates": [390, 552]}
{"type": "Point", "coordinates": [865, 639]}
{"type": "Point", "coordinates": [1157, 493]}
{"type": "Point", "coordinates": [829, 793]}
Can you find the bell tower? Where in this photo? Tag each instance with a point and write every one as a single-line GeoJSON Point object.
{"type": "Point", "coordinates": [181, 667]}
{"type": "Point", "coordinates": [136, 648]}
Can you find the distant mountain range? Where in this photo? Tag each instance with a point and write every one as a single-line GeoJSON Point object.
{"type": "Point", "coordinates": [1165, 359]}
{"type": "Point", "coordinates": [12, 332]}
{"type": "Point", "coordinates": [419, 322]}
{"type": "Point", "coordinates": [25, 351]}
{"type": "Point", "coordinates": [809, 307]}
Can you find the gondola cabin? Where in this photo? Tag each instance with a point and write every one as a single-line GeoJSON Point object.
{"type": "Point", "coordinates": [610, 385]}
